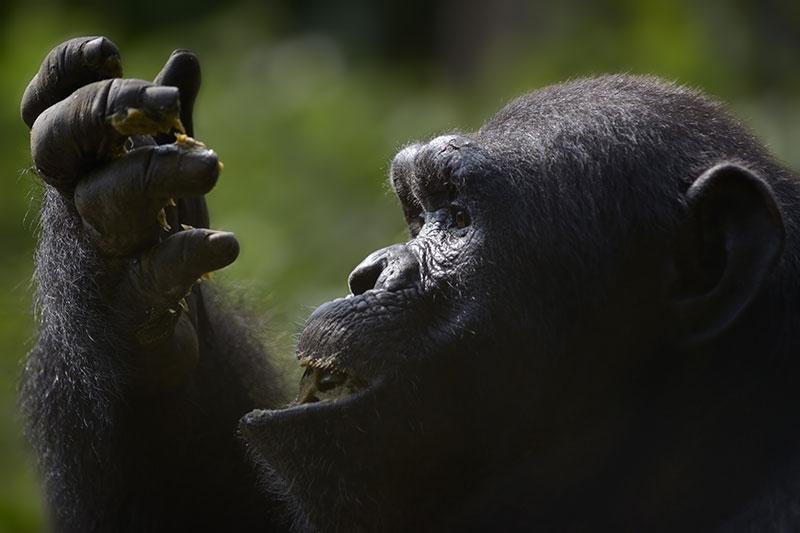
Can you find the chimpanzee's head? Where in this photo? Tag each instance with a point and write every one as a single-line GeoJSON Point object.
{"type": "Point", "coordinates": [589, 275]}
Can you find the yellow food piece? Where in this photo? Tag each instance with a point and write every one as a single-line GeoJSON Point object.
{"type": "Point", "coordinates": [133, 121]}
{"type": "Point", "coordinates": [190, 143]}
{"type": "Point", "coordinates": [184, 141]}
{"type": "Point", "coordinates": [162, 220]}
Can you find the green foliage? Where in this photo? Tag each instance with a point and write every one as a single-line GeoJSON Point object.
{"type": "Point", "coordinates": [306, 127]}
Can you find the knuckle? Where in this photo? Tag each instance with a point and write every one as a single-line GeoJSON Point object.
{"type": "Point", "coordinates": [70, 137]}
{"type": "Point", "coordinates": [66, 68]}
{"type": "Point", "coordinates": [192, 243]}
{"type": "Point", "coordinates": [107, 92]}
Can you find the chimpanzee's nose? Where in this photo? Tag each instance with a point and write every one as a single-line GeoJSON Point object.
{"type": "Point", "coordinates": [392, 269]}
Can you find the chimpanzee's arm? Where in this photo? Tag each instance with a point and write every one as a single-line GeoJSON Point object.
{"type": "Point", "coordinates": [133, 391]}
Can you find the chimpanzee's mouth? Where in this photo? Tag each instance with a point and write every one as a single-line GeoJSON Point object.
{"type": "Point", "coordinates": [330, 399]}
{"type": "Point", "coordinates": [323, 381]}
{"type": "Point", "coordinates": [325, 388]}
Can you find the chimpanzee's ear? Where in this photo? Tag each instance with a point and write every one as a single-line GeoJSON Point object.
{"type": "Point", "coordinates": [733, 238]}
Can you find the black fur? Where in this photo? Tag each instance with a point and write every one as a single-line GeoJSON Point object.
{"type": "Point", "coordinates": [115, 458]}
{"type": "Point", "coordinates": [525, 370]}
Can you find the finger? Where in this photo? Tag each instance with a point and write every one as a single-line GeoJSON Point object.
{"type": "Point", "coordinates": [72, 136]}
{"type": "Point", "coordinates": [120, 203]}
{"type": "Point", "coordinates": [193, 211]}
{"type": "Point", "coordinates": [66, 68]}
{"type": "Point", "coordinates": [182, 70]}
{"type": "Point", "coordinates": [167, 273]}
{"type": "Point", "coordinates": [169, 270]}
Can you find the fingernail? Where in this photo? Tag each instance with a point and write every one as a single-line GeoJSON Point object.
{"type": "Point", "coordinates": [186, 59]}
{"type": "Point", "coordinates": [223, 244]}
{"type": "Point", "coordinates": [93, 51]}
{"type": "Point", "coordinates": [161, 98]}
{"type": "Point", "coordinates": [99, 51]}
{"type": "Point", "coordinates": [201, 165]}
{"type": "Point", "coordinates": [181, 51]}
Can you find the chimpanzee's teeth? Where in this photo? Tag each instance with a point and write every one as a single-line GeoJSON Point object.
{"type": "Point", "coordinates": [324, 384]}
{"type": "Point", "coordinates": [329, 380]}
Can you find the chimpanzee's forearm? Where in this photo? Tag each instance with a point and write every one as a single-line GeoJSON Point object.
{"type": "Point", "coordinates": [117, 453]}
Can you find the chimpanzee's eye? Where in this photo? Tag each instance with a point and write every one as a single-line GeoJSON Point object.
{"type": "Point", "coordinates": [460, 217]}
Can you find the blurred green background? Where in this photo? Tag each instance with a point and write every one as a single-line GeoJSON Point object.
{"type": "Point", "coordinates": [307, 101]}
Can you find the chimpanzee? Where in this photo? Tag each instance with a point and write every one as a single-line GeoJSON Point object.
{"type": "Point", "coordinates": [593, 326]}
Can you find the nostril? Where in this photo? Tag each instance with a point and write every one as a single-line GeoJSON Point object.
{"type": "Point", "coordinates": [364, 277]}
{"type": "Point", "coordinates": [392, 269]}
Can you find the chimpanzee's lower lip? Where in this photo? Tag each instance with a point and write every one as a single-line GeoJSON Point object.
{"type": "Point", "coordinates": [296, 410]}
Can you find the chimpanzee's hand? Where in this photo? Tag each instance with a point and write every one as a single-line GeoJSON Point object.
{"type": "Point", "coordinates": [107, 144]}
